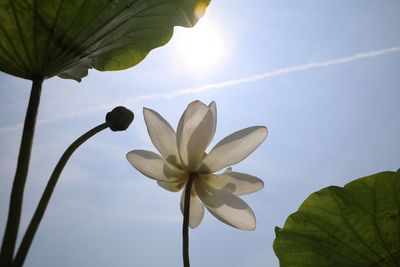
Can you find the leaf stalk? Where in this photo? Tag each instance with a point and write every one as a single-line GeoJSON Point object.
{"type": "Point", "coordinates": [17, 191]}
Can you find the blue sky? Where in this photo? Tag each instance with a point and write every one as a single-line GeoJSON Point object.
{"type": "Point", "coordinates": [327, 126]}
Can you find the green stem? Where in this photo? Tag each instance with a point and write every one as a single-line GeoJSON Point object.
{"type": "Point", "coordinates": [185, 227]}
{"type": "Point", "coordinates": [41, 208]}
{"type": "Point", "coordinates": [17, 192]}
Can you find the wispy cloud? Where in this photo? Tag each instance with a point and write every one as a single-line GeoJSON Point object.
{"type": "Point", "coordinates": [219, 85]}
{"type": "Point", "coordinates": [11, 128]}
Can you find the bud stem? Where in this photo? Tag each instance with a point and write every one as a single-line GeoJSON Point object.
{"type": "Point", "coordinates": [44, 201]}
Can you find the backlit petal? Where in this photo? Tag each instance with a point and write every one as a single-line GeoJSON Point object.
{"type": "Point", "coordinates": [195, 132]}
{"type": "Point", "coordinates": [213, 107]}
{"type": "Point", "coordinates": [196, 210]}
{"type": "Point", "coordinates": [235, 182]}
{"type": "Point", "coordinates": [162, 135]}
{"type": "Point", "coordinates": [173, 186]}
{"type": "Point", "coordinates": [233, 148]}
{"type": "Point", "coordinates": [226, 207]}
{"type": "Point", "coordinates": [154, 166]}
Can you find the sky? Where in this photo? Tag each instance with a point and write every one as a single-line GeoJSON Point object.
{"type": "Point", "coordinates": [323, 76]}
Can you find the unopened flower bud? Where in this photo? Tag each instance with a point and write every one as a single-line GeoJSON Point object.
{"type": "Point", "coordinates": [119, 118]}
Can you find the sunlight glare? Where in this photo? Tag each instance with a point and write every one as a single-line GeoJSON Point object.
{"type": "Point", "coordinates": [201, 46]}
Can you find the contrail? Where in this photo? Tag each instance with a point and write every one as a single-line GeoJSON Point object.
{"type": "Point", "coordinates": [221, 85]}
{"type": "Point", "coordinates": [278, 72]}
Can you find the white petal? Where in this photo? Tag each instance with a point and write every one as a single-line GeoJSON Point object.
{"type": "Point", "coordinates": [235, 182]}
{"type": "Point", "coordinates": [195, 131]}
{"type": "Point", "coordinates": [196, 210]}
{"type": "Point", "coordinates": [234, 148]}
{"type": "Point", "coordinates": [173, 186]}
{"type": "Point", "coordinates": [213, 107]}
{"type": "Point", "coordinates": [226, 207]}
{"type": "Point", "coordinates": [154, 166]}
{"type": "Point", "coordinates": [162, 135]}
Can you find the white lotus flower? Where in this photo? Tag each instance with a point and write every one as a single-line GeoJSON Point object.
{"type": "Point", "coordinates": [183, 154]}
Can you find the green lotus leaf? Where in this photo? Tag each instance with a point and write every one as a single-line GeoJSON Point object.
{"type": "Point", "coordinates": [357, 225]}
{"type": "Point", "coordinates": [44, 38]}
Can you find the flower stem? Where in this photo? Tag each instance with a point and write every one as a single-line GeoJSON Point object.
{"type": "Point", "coordinates": [17, 191]}
{"type": "Point", "coordinates": [185, 227]}
{"type": "Point", "coordinates": [41, 208]}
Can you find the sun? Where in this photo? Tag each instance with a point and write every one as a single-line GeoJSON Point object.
{"type": "Point", "coordinates": [200, 47]}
